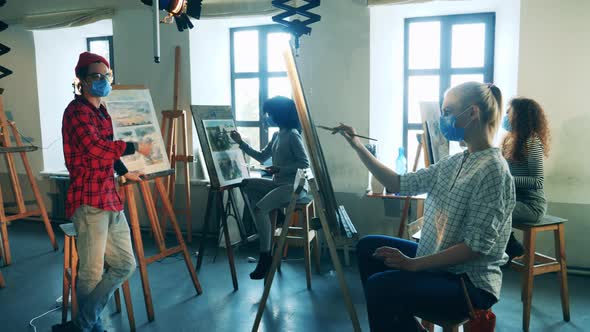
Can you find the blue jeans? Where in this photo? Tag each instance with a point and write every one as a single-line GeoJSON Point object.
{"type": "Point", "coordinates": [103, 236]}
{"type": "Point", "coordinates": [394, 297]}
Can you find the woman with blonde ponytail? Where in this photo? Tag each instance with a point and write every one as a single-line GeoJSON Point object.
{"type": "Point", "coordinates": [467, 221]}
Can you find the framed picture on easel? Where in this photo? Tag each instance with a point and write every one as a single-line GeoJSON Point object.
{"type": "Point", "coordinates": [227, 157]}
{"type": "Point", "coordinates": [225, 161]}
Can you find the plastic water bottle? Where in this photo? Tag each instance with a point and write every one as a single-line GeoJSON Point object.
{"type": "Point", "coordinates": [400, 162]}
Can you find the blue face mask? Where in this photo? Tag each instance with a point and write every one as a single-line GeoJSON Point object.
{"type": "Point", "coordinates": [100, 88]}
{"type": "Point", "coordinates": [506, 123]}
{"type": "Point", "coordinates": [447, 127]}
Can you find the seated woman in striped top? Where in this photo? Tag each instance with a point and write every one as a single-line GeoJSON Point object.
{"type": "Point", "coordinates": [524, 147]}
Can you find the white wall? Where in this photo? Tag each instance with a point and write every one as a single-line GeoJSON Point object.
{"type": "Point", "coordinates": [20, 95]}
{"type": "Point", "coordinates": [554, 69]}
{"type": "Point", "coordinates": [334, 68]}
{"type": "Point", "coordinates": [387, 59]}
{"type": "Point", "coordinates": [57, 52]}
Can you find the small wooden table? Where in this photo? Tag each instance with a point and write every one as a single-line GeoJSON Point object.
{"type": "Point", "coordinates": [404, 217]}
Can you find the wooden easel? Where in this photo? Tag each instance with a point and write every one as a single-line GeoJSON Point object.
{"type": "Point", "coordinates": [2, 282]}
{"type": "Point", "coordinates": [407, 199]}
{"type": "Point", "coordinates": [171, 121]}
{"type": "Point", "coordinates": [217, 196]}
{"type": "Point", "coordinates": [143, 261]}
{"type": "Point", "coordinates": [5, 148]}
{"type": "Point", "coordinates": [169, 129]}
{"type": "Point", "coordinates": [300, 180]}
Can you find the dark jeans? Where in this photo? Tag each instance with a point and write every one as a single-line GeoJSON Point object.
{"type": "Point", "coordinates": [394, 297]}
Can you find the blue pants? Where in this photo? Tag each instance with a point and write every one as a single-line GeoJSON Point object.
{"type": "Point", "coordinates": [394, 297]}
{"type": "Point", "coordinates": [102, 236]}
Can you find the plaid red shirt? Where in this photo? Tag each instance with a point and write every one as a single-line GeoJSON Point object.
{"type": "Point", "coordinates": [90, 153]}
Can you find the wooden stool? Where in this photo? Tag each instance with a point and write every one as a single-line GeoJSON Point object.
{"type": "Point", "coordinates": [70, 273]}
{"type": "Point", "coordinates": [300, 234]}
{"type": "Point", "coordinates": [451, 325]}
{"type": "Point", "coordinates": [533, 263]}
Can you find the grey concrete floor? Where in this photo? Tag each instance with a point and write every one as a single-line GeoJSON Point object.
{"type": "Point", "coordinates": [35, 277]}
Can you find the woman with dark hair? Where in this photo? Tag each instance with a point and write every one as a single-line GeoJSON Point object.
{"type": "Point", "coordinates": [288, 155]}
{"type": "Point", "coordinates": [524, 147]}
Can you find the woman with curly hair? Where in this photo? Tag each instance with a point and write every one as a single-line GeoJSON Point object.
{"type": "Point", "coordinates": [524, 147]}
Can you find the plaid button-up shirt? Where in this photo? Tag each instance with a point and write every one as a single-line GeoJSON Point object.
{"type": "Point", "coordinates": [470, 200]}
{"type": "Point", "coordinates": [90, 154]}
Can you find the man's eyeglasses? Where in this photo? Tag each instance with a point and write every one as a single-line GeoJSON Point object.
{"type": "Point", "coordinates": [98, 76]}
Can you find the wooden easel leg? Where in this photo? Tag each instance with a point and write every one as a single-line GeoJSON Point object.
{"type": "Point", "coordinates": [170, 211]}
{"type": "Point", "coordinates": [187, 180]}
{"type": "Point", "coordinates": [4, 233]}
{"type": "Point", "coordinates": [335, 259]}
{"type": "Point", "coordinates": [2, 282]}
{"type": "Point", "coordinates": [18, 191]}
{"type": "Point", "coordinates": [152, 215]}
{"type": "Point", "coordinates": [228, 247]}
{"type": "Point", "coordinates": [136, 233]}
{"type": "Point", "coordinates": [39, 199]}
{"type": "Point", "coordinates": [404, 219]}
{"type": "Point", "coordinates": [276, 260]}
{"type": "Point", "coordinates": [201, 254]}
{"type": "Point", "coordinates": [128, 304]}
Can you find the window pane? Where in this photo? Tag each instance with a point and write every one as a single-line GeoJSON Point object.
{"type": "Point", "coordinates": [279, 86]}
{"type": "Point", "coordinates": [468, 45]}
{"type": "Point", "coordinates": [424, 45]}
{"type": "Point", "coordinates": [459, 79]}
{"type": "Point", "coordinates": [412, 148]}
{"type": "Point", "coordinates": [272, 131]}
{"type": "Point", "coordinates": [100, 47]}
{"type": "Point", "coordinates": [250, 135]}
{"type": "Point", "coordinates": [246, 94]}
{"type": "Point", "coordinates": [246, 51]}
{"type": "Point", "coordinates": [277, 44]}
{"type": "Point", "coordinates": [421, 88]}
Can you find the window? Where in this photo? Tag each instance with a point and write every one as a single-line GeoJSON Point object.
{"type": "Point", "coordinates": [257, 73]}
{"type": "Point", "coordinates": [441, 52]}
{"type": "Point", "coordinates": [102, 46]}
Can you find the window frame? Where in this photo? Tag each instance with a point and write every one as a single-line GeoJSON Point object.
{"type": "Point", "coordinates": [263, 75]}
{"type": "Point", "coordinates": [445, 69]}
{"type": "Point", "coordinates": [111, 58]}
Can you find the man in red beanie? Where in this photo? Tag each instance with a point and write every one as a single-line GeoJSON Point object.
{"type": "Point", "coordinates": [93, 204]}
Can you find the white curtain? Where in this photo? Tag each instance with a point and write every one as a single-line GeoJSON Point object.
{"type": "Point", "coordinates": [66, 18]}
{"type": "Point", "coordinates": [397, 2]}
{"type": "Point", "coordinates": [226, 8]}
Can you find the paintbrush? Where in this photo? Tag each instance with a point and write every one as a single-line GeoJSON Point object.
{"type": "Point", "coordinates": [335, 130]}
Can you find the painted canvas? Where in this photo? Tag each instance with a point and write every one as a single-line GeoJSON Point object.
{"type": "Point", "coordinates": [438, 144]}
{"type": "Point", "coordinates": [225, 155]}
{"type": "Point", "coordinates": [134, 120]}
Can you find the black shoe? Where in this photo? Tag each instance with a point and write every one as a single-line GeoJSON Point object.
{"type": "Point", "coordinates": [67, 327]}
{"type": "Point", "coordinates": [262, 267]}
{"type": "Point", "coordinates": [514, 248]}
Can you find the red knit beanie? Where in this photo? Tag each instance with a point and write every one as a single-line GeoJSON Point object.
{"type": "Point", "coordinates": [87, 58]}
